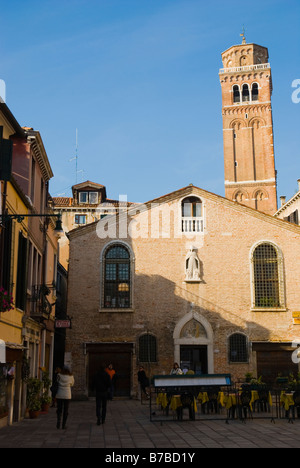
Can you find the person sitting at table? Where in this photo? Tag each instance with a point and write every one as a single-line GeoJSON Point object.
{"type": "Point", "coordinates": [176, 370]}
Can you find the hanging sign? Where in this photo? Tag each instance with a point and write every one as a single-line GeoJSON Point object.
{"type": "Point", "coordinates": [66, 323]}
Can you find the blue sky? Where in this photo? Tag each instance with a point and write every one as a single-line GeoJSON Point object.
{"type": "Point", "coordinates": [139, 80]}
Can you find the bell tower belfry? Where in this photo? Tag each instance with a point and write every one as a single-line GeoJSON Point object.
{"type": "Point", "coordinates": [249, 161]}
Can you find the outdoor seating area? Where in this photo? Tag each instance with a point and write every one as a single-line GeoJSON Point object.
{"type": "Point", "coordinates": [233, 401]}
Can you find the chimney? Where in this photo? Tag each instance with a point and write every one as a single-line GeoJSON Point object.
{"type": "Point", "coordinates": [298, 184]}
{"type": "Point", "coordinates": [283, 200]}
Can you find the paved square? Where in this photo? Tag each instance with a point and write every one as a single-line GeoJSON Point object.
{"type": "Point", "coordinates": [128, 426]}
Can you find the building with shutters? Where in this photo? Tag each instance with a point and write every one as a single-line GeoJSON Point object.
{"type": "Point", "coordinates": [28, 257]}
{"type": "Point", "coordinates": [193, 277]}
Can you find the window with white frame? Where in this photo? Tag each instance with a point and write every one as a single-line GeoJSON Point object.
{"type": "Point", "coordinates": [88, 197]}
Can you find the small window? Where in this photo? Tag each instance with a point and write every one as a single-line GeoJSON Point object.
{"type": "Point", "coordinates": [88, 197]}
{"type": "Point", "coordinates": [293, 217]}
{"type": "Point", "coordinates": [80, 219]}
{"type": "Point", "coordinates": [93, 198]}
{"type": "Point", "coordinates": [255, 92]}
{"type": "Point", "coordinates": [238, 348]}
{"type": "Point", "coordinates": [147, 348]}
{"type": "Point", "coordinates": [191, 207]}
{"type": "Point", "coordinates": [83, 197]}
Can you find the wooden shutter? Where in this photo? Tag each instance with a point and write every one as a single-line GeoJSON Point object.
{"type": "Point", "coordinates": [6, 147]}
{"type": "Point", "coordinates": [22, 272]}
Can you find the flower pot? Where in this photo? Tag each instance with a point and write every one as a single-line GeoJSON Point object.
{"type": "Point", "coordinates": [45, 407]}
{"type": "Point", "coordinates": [33, 414]}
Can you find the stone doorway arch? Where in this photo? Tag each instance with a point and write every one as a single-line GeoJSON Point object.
{"type": "Point", "coordinates": [194, 330]}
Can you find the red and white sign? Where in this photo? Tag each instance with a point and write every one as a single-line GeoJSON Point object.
{"type": "Point", "coordinates": [63, 323]}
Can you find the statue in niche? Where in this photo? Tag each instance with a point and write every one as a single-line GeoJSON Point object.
{"type": "Point", "coordinates": [192, 266]}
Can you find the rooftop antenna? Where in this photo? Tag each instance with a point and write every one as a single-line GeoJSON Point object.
{"type": "Point", "coordinates": [76, 157]}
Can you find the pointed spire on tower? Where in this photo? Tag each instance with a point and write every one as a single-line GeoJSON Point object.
{"type": "Point", "coordinates": [243, 35]}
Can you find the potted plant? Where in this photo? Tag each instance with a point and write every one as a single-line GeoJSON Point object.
{"type": "Point", "coordinates": [34, 387]}
{"type": "Point", "coordinates": [45, 402]}
{"type": "Point", "coordinates": [6, 301]}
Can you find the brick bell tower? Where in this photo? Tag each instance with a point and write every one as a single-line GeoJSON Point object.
{"type": "Point", "coordinates": [250, 176]}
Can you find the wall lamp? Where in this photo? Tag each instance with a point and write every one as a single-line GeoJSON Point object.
{"type": "Point", "coordinates": [20, 217]}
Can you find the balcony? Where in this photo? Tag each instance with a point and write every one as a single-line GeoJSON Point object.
{"type": "Point", "coordinates": [258, 67]}
{"type": "Point", "coordinates": [40, 307]}
{"type": "Point", "coordinates": [194, 225]}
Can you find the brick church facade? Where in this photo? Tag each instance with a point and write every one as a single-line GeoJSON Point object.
{"type": "Point", "coordinates": [193, 277]}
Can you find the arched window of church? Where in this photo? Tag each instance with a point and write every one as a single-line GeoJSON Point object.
{"type": "Point", "coordinates": [245, 93]}
{"type": "Point", "coordinates": [255, 92]}
{"type": "Point", "coordinates": [240, 197]}
{"type": "Point", "coordinates": [266, 276]}
{"type": "Point", "coordinates": [117, 277]}
{"type": "Point", "coordinates": [238, 348]}
{"type": "Point", "coordinates": [236, 94]}
{"type": "Point", "coordinates": [191, 212]}
{"type": "Point", "coordinates": [147, 348]}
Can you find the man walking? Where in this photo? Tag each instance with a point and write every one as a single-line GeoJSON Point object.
{"type": "Point", "coordinates": [102, 385]}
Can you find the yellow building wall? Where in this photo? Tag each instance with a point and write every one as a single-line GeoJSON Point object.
{"type": "Point", "coordinates": [11, 322]}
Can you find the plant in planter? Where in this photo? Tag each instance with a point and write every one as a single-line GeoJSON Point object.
{"type": "Point", "coordinates": [6, 301]}
{"type": "Point", "coordinates": [34, 387]}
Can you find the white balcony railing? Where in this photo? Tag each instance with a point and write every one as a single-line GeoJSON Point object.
{"type": "Point", "coordinates": [261, 66]}
{"type": "Point", "coordinates": [192, 225]}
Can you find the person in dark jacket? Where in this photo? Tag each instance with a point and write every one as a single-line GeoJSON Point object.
{"type": "Point", "coordinates": [101, 384]}
{"type": "Point", "coordinates": [143, 380]}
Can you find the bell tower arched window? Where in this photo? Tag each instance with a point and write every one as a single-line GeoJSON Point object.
{"type": "Point", "coordinates": [236, 94]}
{"type": "Point", "coordinates": [255, 92]}
{"type": "Point", "coordinates": [245, 93]}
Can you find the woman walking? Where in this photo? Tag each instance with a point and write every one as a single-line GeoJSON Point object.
{"type": "Point", "coordinates": [63, 397]}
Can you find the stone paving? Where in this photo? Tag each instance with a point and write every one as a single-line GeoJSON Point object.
{"type": "Point", "coordinates": [128, 426]}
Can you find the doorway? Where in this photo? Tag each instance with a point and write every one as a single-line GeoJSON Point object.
{"type": "Point", "coordinates": [120, 355]}
{"type": "Point", "coordinates": [194, 358]}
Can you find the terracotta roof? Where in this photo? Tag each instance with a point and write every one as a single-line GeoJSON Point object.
{"type": "Point", "coordinates": [62, 201]}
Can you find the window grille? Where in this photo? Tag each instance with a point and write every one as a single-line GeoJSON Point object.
{"type": "Point", "coordinates": [147, 348]}
{"type": "Point", "coordinates": [266, 277]}
{"type": "Point", "coordinates": [238, 348]}
{"type": "Point", "coordinates": [117, 278]}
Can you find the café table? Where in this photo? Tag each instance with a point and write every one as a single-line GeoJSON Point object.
{"type": "Point", "coordinates": [287, 400]}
